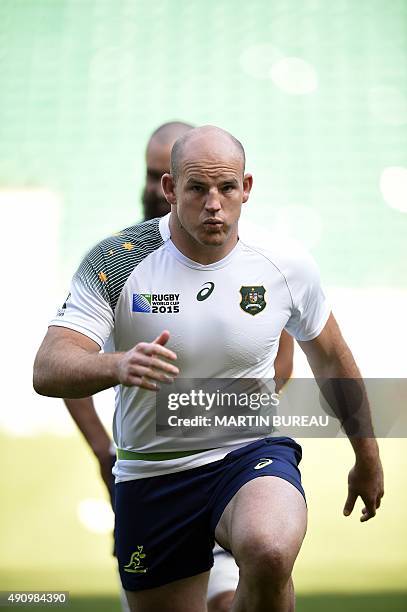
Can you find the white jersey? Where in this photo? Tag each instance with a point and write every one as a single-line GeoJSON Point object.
{"type": "Point", "coordinates": [225, 321]}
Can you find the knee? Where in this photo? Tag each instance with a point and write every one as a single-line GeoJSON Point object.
{"type": "Point", "coordinates": [268, 562]}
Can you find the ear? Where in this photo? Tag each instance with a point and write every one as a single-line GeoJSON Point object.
{"type": "Point", "coordinates": [168, 187]}
{"type": "Point", "coordinates": [247, 186]}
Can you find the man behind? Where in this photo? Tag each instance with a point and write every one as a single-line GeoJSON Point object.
{"type": "Point", "coordinates": [206, 189]}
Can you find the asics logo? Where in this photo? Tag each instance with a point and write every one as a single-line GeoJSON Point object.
{"type": "Point", "coordinates": [205, 292]}
{"type": "Point", "coordinates": [263, 463]}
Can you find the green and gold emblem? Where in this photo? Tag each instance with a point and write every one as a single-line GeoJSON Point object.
{"type": "Point", "coordinates": [252, 300]}
{"type": "Point", "coordinates": [136, 563]}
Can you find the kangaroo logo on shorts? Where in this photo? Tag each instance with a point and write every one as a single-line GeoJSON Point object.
{"type": "Point", "coordinates": [135, 565]}
{"type": "Point", "coordinates": [252, 300]}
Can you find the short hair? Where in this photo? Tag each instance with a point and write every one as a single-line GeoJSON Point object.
{"type": "Point", "coordinates": [179, 144]}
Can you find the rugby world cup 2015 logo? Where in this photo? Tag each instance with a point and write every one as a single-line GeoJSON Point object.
{"type": "Point", "coordinates": [156, 303]}
{"type": "Point", "coordinates": [141, 302]}
{"type": "Point", "coordinates": [252, 300]}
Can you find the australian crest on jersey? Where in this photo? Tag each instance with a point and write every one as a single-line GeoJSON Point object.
{"type": "Point", "coordinates": [156, 302]}
{"type": "Point", "coordinates": [253, 300]}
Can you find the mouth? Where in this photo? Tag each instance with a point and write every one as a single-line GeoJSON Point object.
{"type": "Point", "coordinates": [214, 222]}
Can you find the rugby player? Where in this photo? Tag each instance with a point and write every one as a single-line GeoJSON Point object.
{"type": "Point", "coordinates": [174, 497]}
{"type": "Point", "coordinates": [224, 574]}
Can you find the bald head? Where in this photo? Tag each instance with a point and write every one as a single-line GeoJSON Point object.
{"type": "Point", "coordinates": [167, 133]}
{"type": "Point", "coordinates": [158, 163]}
{"type": "Point", "coordinates": [206, 189]}
{"type": "Point", "coordinates": [208, 141]}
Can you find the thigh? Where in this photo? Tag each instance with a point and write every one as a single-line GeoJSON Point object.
{"type": "Point", "coordinates": [159, 540]}
{"type": "Point", "coordinates": [182, 595]}
{"type": "Point", "coordinates": [267, 513]}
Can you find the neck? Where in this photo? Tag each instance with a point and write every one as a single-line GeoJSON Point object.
{"type": "Point", "coordinates": [201, 253]}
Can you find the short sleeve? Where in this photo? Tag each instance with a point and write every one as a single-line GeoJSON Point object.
{"type": "Point", "coordinates": [99, 281]}
{"type": "Point", "coordinates": [87, 308]}
{"type": "Point", "coordinates": [310, 308]}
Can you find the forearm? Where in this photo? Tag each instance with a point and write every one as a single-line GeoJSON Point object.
{"type": "Point", "coordinates": [69, 365]}
{"type": "Point", "coordinates": [86, 418]}
{"type": "Point", "coordinates": [69, 371]}
{"type": "Point", "coordinates": [366, 450]}
{"type": "Point", "coordinates": [343, 388]}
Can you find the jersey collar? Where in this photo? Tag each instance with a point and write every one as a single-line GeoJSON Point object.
{"type": "Point", "coordinates": [190, 263]}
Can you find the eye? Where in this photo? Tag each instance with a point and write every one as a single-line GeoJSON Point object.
{"type": "Point", "coordinates": [227, 188]}
{"type": "Point", "coordinates": [197, 188]}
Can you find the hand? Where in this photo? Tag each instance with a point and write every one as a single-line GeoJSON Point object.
{"type": "Point", "coordinates": [365, 479]}
{"type": "Point", "coordinates": [146, 363]}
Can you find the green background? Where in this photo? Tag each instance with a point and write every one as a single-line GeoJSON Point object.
{"type": "Point", "coordinates": [82, 86]}
{"type": "Point", "coordinates": [84, 83]}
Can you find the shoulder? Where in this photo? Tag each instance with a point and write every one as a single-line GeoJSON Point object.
{"type": "Point", "coordinates": [137, 240]}
{"type": "Point", "coordinates": [109, 263]}
{"type": "Point", "coordinates": [285, 254]}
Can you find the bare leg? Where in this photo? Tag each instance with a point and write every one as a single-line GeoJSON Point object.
{"type": "Point", "coordinates": [187, 595]}
{"type": "Point", "coordinates": [264, 526]}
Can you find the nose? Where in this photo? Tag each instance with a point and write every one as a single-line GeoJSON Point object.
{"type": "Point", "coordinates": [212, 203]}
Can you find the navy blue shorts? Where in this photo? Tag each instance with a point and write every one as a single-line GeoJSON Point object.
{"type": "Point", "coordinates": [165, 524]}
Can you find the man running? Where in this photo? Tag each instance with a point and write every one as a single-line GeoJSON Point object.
{"type": "Point", "coordinates": [224, 574]}
{"type": "Point", "coordinates": [173, 497]}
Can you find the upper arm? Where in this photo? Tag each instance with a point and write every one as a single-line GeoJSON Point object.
{"type": "Point", "coordinates": [283, 364]}
{"type": "Point", "coordinates": [310, 309]}
{"type": "Point", "coordinates": [60, 349]}
{"type": "Point", "coordinates": [328, 344]}
{"type": "Point", "coordinates": [63, 338]}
